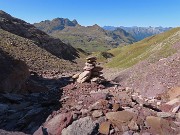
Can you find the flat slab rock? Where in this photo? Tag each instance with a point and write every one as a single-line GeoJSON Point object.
{"type": "Point", "coordinates": [83, 126]}
{"type": "Point", "coordinates": [84, 76]}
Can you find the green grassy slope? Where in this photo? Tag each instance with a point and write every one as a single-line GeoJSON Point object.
{"type": "Point", "coordinates": [152, 49]}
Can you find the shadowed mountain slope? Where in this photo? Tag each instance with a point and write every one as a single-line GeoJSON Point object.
{"type": "Point", "coordinates": [38, 50]}
{"type": "Point", "coordinates": [28, 51]}
{"type": "Point", "coordinates": [21, 28]}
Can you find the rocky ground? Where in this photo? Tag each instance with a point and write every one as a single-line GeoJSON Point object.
{"type": "Point", "coordinates": [71, 108]}
{"type": "Point", "coordinates": [26, 112]}
{"type": "Point", "coordinates": [111, 109]}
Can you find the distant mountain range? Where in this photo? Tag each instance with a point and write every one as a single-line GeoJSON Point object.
{"type": "Point", "coordinates": [140, 33]}
{"type": "Point", "coordinates": [90, 38]}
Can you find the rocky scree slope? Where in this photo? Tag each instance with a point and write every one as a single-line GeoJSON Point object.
{"type": "Point", "coordinates": [90, 38]}
{"type": "Point", "coordinates": [151, 65]}
{"type": "Point", "coordinates": [90, 108]}
{"type": "Point", "coordinates": [111, 109]}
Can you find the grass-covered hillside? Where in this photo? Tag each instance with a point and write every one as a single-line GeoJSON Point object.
{"type": "Point", "coordinates": [150, 66]}
{"type": "Point", "coordinates": [151, 49]}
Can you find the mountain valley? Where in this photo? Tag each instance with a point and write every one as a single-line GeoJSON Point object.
{"type": "Point", "coordinates": [90, 38]}
{"type": "Point", "coordinates": [60, 78]}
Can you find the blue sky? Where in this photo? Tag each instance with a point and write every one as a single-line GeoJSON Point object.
{"type": "Point", "coordinates": [102, 12]}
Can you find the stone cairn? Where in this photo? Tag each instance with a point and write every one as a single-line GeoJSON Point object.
{"type": "Point", "coordinates": [91, 73]}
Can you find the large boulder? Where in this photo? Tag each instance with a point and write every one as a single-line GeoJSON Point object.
{"type": "Point", "coordinates": [55, 125]}
{"type": "Point", "coordinates": [161, 126]}
{"type": "Point", "coordinates": [120, 118]}
{"type": "Point", "coordinates": [83, 126]}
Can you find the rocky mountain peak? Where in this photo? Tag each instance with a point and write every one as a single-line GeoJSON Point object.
{"type": "Point", "coordinates": [2, 13]}
{"type": "Point", "coordinates": [75, 21]}
{"type": "Point", "coordinates": [56, 24]}
{"type": "Point", "coordinates": [96, 26]}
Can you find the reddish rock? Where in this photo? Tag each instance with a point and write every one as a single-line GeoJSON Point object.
{"type": "Point", "coordinates": [166, 107]}
{"type": "Point", "coordinates": [99, 95]}
{"type": "Point", "coordinates": [171, 94]}
{"type": "Point", "coordinates": [161, 126]}
{"type": "Point", "coordinates": [55, 125]}
{"type": "Point", "coordinates": [104, 128]}
{"type": "Point", "coordinates": [116, 107]}
{"type": "Point", "coordinates": [120, 118]}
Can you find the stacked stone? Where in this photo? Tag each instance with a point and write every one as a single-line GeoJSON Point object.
{"type": "Point", "coordinates": [91, 72]}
